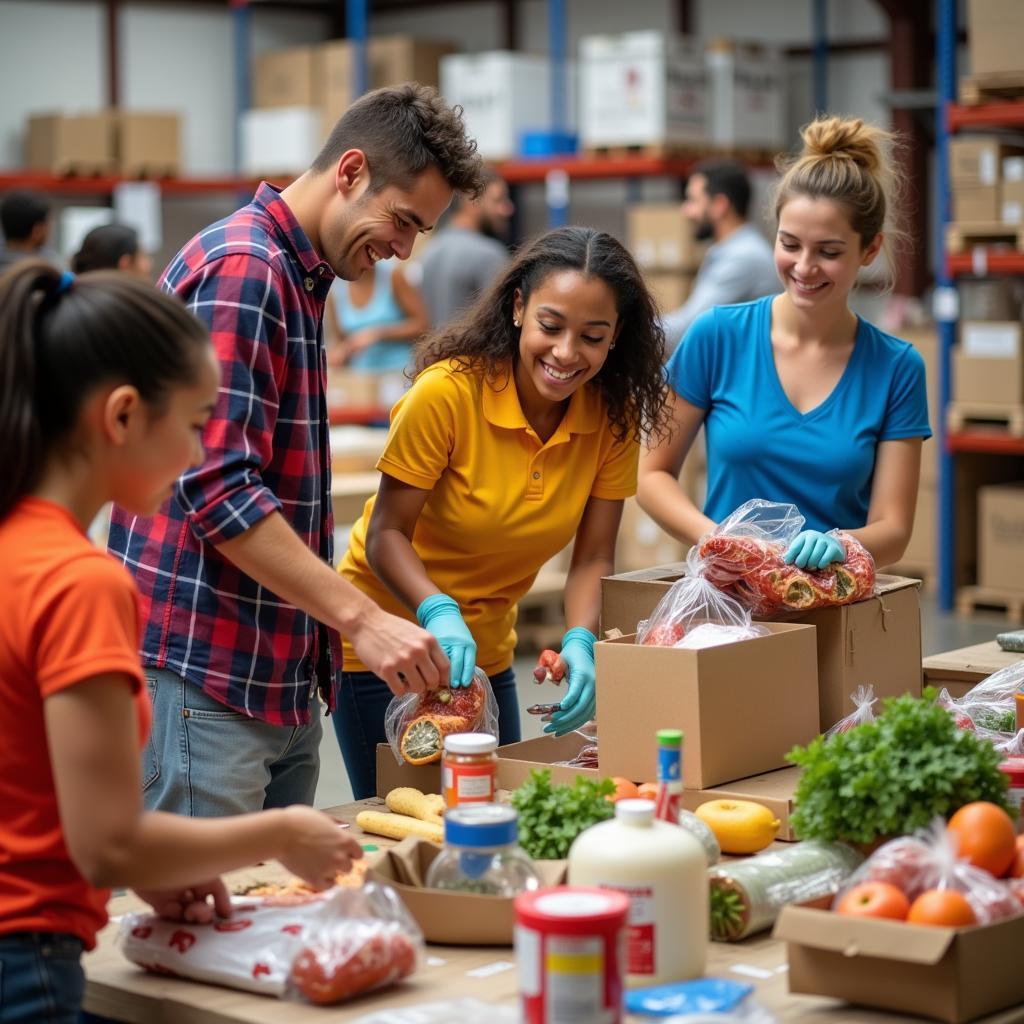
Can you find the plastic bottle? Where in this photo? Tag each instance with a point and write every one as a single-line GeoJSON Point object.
{"type": "Point", "coordinates": [670, 775]}
{"type": "Point", "coordinates": [663, 871]}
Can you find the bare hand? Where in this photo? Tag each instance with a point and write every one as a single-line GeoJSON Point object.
{"type": "Point", "coordinates": [192, 904]}
{"type": "Point", "coordinates": [316, 847]}
{"type": "Point", "coordinates": [407, 658]}
{"type": "Point", "coordinates": [361, 340]}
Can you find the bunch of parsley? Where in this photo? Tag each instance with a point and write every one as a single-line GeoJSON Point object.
{"type": "Point", "coordinates": [893, 775]}
{"type": "Point", "coordinates": [551, 816]}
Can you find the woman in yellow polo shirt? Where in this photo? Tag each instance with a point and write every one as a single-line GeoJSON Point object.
{"type": "Point", "coordinates": [520, 433]}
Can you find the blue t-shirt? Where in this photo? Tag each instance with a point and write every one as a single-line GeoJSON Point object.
{"type": "Point", "coordinates": [760, 446]}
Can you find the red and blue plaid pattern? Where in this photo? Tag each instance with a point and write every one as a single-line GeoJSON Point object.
{"type": "Point", "coordinates": [256, 282]}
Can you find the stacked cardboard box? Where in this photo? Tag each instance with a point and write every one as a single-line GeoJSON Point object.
{"type": "Point", "coordinates": [748, 97]}
{"type": "Point", "coordinates": [995, 29]}
{"type": "Point", "coordinates": [977, 164]}
{"type": "Point", "coordinates": [1001, 537]}
{"type": "Point", "coordinates": [988, 364]}
{"type": "Point", "coordinates": [662, 242]}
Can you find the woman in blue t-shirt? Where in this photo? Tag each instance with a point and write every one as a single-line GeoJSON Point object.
{"type": "Point", "coordinates": [803, 401]}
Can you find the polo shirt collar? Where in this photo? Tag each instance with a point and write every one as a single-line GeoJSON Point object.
{"type": "Point", "coordinates": [268, 198]}
{"type": "Point", "coordinates": [501, 407]}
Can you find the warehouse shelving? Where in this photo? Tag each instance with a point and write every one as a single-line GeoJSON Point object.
{"type": "Point", "coordinates": [105, 184]}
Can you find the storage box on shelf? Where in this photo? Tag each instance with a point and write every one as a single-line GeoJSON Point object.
{"type": "Point", "coordinates": [994, 31]}
{"type": "Point", "coordinates": [70, 143]}
{"type": "Point", "coordinates": [147, 144]}
{"type": "Point", "coordinates": [1001, 538]}
{"type": "Point", "coordinates": [988, 375]}
{"type": "Point", "coordinates": [285, 78]}
{"type": "Point", "coordinates": [661, 238]}
{"type": "Point", "coordinates": [1011, 210]}
{"type": "Point", "coordinates": [280, 140]}
{"type": "Point", "coordinates": [747, 85]}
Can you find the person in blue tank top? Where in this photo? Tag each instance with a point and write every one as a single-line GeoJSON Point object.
{"type": "Point", "coordinates": [802, 400]}
{"type": "Point", "coordinates": [372, 322]}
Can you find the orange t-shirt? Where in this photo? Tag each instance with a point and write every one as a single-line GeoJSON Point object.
{"type": "Point", "coordinates": [68, 612]}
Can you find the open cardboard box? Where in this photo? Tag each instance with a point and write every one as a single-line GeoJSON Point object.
{"type": "Point", "coordinates": [772, 789]}
{"type": "Point", "coordinates": [741, 706]}
{"type": "Point", "coordinates": [948, 974]}
{"type": "Point", "coordinates": [452, 918]}
{"type": "Point", "coordinates": [961, 670]}
{"type": "Point", "coordinates": [877, 641]}
{"type": "Point", "coordinates": [517, 760]}
{"type": "Point", "coordinates": [390, 774]}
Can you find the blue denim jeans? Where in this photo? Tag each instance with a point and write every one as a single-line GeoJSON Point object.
{"type": "Point", "coordinates": [41, 978]}
{"type": "Point", "coordinates": [205, 760]}
{"type": "Point", "coordinates": [363, 698]}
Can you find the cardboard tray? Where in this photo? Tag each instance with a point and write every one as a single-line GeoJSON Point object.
{"type": "Point", "coordinates": [451, 918]}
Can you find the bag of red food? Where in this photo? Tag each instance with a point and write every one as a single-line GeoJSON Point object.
{"type": "Point", "coordinates": [991, 705]}
{"type": "Point", "coordinates": [324, 948]}
{"type": "Point", "coordinates": [417, 723]}
{"type": "Point", "coordinates": [864, 700]}
{"type": "Point", "coordinates": [928, 860]}
{"type": "Point", "coordinates": [743, 556]}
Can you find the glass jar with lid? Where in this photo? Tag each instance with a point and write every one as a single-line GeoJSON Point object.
{"type": "Point", "coordinates": [482, 854]}
{"type": "Point", "coordinates": [469, 768]}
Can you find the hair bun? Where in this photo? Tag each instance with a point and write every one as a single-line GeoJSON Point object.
{"type": "Point", "coordinates": [844, 139]}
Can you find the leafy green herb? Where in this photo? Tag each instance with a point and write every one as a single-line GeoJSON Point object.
{"type": "Point", "coordinates": [551, 816]}
{"type": "Point", "coordinates": [997, 721]}
{"type": "Point", "coordinates": [893, 775]}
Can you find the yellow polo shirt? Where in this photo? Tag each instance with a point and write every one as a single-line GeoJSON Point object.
{"type": "Point", "coordinates": [501, 502]}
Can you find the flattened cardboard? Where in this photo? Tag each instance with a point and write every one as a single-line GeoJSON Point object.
{"type": "Point", "coordinates": [953, 975]}
{"type": "Point", "coordinates": [390, 774]}
{"type": "Point", "coordinates": [741, 707]}
{"type": "Point", "coordinates": [772, 789]}
{"type": "Point", "coordinates": [451, 918]}
{"type": "Point", "coordinates": [877, 641]}
{"type": "Point", "coordinates": [961, 670]}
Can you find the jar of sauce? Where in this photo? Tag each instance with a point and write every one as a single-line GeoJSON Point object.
{"type": "Point", "coordinates": [469, 768]}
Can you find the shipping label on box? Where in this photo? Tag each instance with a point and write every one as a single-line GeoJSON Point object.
{"type": "Point", "coordinates": [1001, 537]}
{"type": "Point", "coordinates": [1012, 206]}
{"type": "Point", "coordinates": [990, 340]}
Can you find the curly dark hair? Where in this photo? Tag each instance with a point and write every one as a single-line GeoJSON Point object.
{"type": "Point", "coordinates": [631, 381]}
{"type": "Point", "coordinates": [402, 130]}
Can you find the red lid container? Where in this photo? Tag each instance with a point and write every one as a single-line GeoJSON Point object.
{"type": "Point", "coordinates": [1013, 767]}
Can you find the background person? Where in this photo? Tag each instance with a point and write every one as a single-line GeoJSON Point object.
{"type": "Point", "coordinates": [26, 219]}
{"type": "Point", "coordinates": [112, 247]}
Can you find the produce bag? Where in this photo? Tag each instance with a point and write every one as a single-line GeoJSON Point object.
{"type": "Point", "coordinates": [743, 556]}
{"type": "Point", "coordinates": [323, 948]}
{"type": "Point", "coordinates": [747, 895]}
{"type": "Point", "coordinates": [417, 723]}
{"type": "Point", "coordinates": [864, 700]}
{"type": "Point", "coordinates": [928, 860]}
{"type": "Point", "coordinates": [991, 705]}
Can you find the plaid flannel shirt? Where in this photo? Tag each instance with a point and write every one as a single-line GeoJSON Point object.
{"type": "Point", "coordinates": [256, 282]}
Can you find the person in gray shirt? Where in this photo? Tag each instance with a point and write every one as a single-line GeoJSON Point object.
{"type": "Point", "coordinates": [468, 253]}
{"type": "Point", "coordinates": [739, 266]}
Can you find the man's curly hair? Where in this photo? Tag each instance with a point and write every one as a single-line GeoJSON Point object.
{"type": "Point", "coordinates": [631, 381]}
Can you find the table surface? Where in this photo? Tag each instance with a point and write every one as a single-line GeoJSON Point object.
{"type": "Point", "coordinates": [119, 990]}
{"type": "Point", "coordinates": [979, 660]}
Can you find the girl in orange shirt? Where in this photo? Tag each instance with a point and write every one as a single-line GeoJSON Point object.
{"type": "Point", "coordinates": [105, 387]}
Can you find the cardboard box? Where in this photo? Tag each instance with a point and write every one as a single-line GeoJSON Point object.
{"type": "Point", "coordinates": [503, 94]}
{"type": "Point", "coordinates": [742, 706]}
{"type": "Point", "coordinates": [286, 78]}
{"type": "Point", "coordinates": [748, 96]}
{"type": "Point", "coordinates": [976, 204]}
{"type": "Point", "coordinates": [147, 144]}
{"type": "Point", "coordinates": [517, 760]}
{"type": "Point", "coordinates": [988, 380]}
{"type": "Point", "coordinates": [961, 670]}
{"type": "Point", "coordinates": [642, 88]}
{"type": "Point", "coordinates": [877, 641]}
{"type": "Point", "coordinates": [356, 449]}
{"type": "Point", "coordinates": [642, 542]}
{"type": "Point", "coordinates": [995, 29]}
{"type": "Point", "coordinates": [390, 774]}
{"type": "Point", "coordinates": [772, 789]}
{"type": "Point", "coordinates": [669, 288]}
{"type": "Point", "coordinates": [977, 159]}
{"type": "Point", "coordinates": [1001, 537]}
{"type": "Point", "coordinates": [453, 918]}
{"type": "Point", "coordinates": [948, 974]}
{"type": "Point", "coordinates": [70, 144]}
{"type": "Point", "coordinates": [661, 238]}
{"type": "Point", "coordinates": [989, 298]}
{"type": "Point", "coordinates": [280, 140]}
{"type": "Point", "coordinates": [1011, 206]}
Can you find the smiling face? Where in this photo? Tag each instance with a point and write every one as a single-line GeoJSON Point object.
{"type": "Point", "coordinates": [818, 254]}
{"type": "Point", "coordinates": [569, 324]}
{"type": "Point", "coordinates": [360, 227]}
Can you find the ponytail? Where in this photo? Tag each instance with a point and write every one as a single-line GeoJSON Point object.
{"type": "Point", "coordinates": [62, 338]}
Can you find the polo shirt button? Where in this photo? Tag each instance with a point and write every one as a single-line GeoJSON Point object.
{"type": "Point", "coordinates": [536, 476]}
{"type": "Point", "coordinates": [310, 284]}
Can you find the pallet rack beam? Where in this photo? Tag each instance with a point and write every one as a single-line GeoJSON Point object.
{"type": "Point", "coordinates": [987, 115]}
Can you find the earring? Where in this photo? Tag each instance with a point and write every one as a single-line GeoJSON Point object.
{"type": "Point", "coordinates": [515, 322]}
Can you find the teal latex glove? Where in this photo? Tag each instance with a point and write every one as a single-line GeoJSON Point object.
{"type": "Point", "coordinates": [579, 705]}
{"type": "Point", "coordinates": [440, 615]}
{"type": "Point", "coordinates": [814, 550]}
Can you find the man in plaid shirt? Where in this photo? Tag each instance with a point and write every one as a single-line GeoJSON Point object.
{"type": "Point", "coordinates": [241, 609]}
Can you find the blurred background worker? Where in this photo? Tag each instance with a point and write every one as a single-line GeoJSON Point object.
{"type": "Point", "coordinates": [738, 266]}
{"type": "Point", "coordinates": [469, 254]}
{"type": "Point", "coordinates": [372, 322]}
{"type": "Point", "coordinates": [113, 247]}
{"type": "Point", "coordinates": [25, 219]}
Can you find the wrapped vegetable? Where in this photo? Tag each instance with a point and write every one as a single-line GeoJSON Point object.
{"type": "Point", "coordinates": [746, 896]}
{"type": "Point", "coordinates": [701, 831]}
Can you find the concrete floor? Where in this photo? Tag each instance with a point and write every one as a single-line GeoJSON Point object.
{"type": "Point", "coordinates": [939, 632]}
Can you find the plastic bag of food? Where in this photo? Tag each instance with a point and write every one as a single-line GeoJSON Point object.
{"type": "Point", "coordinates": [991, 705]}
{"type": "Point", "coordinates": [928, 860]}
{"type": "Point", "coordinates": [743, 556]}
{"type": "Point", "coordinates": [864, 700]}
{"type": "Point", "coordinates": [324, 948]}
{"type": "Point", "coordinates": [417, 723]}
{"type": "Point", "coordinates": [691, 602]}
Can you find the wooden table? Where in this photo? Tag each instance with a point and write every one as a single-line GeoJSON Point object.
{"type": "Point", "coordinates": [965, 667]}
{"type": "Point", "coordinates": [117, 989]}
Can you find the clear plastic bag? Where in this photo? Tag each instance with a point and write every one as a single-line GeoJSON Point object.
{"type": "Point", "coordinates": [928, 860]}
{"type": "Point", "coordinates": [864, 700]}
{"type": "Point", "coordinates": [324, 949]}
{"type": "Point", "coordinates": [691, 602]}
{"type": "Point", "coordinates": [743, 556]}
{"type": "Point", "coordinates": [417, 723]}
{"type": "Point", "coordinates": [991, 705]}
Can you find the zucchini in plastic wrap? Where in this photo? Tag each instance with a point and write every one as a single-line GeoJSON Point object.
{"type": "Point", "coordinates": [702, 832]}
{"type": "Point", "coordinates": [746, 896]}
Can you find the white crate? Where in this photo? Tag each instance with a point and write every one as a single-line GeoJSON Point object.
{"type": "Point", "coordinates": [642, 88]}
{"type": "Point", "coordinates": [281, 140]}
{"type": "Point", "coordinates": [748, 98]}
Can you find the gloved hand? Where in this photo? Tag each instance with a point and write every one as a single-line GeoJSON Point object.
{"type": "Point", "coordinates": [814, 550]}
{"type": "Point", "coordinates": [440, 614]}
{"type": "Point", "coordinates": [579, 705]}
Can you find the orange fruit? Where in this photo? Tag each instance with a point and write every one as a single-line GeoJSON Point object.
{"type": "Point", "coordinates": [985, 836]}
{"type": "Point", "coordinates": [874, 899]}
{"type": "Point", "coordinates": [1017, 867]}
{"type": "Point", "coordinates": [647, 791]}
{"type": "Point", "coordinates": [943, 907]}
{"type": "Point", "coordinates": [624, 789]}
